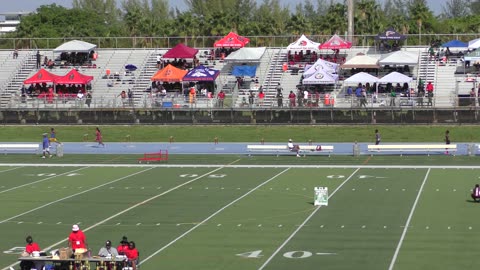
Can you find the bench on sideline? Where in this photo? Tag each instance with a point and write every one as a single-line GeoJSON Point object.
{"type": "Point", "coordinates": [283, 149]}
{"type": "Point", "coordinates": [16, 147]}
{"type": "Point", "coordinates": [157, 156]}
{"type": "Point", "coordinates": [402, 148]}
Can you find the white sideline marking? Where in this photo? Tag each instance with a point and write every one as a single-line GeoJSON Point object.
{"type": "Point", "coordinates": [11, 169]}
{"type": "Point", "coordinates": [41, 180]}
{"type": "Point", "coordinates": [304, 222]}
{"type": "Point", "coordinates": [121, 212]}
{"type": "Point", "coordinates": [400, 242]}
{"type": "Point", "coordinates": [211, 216]}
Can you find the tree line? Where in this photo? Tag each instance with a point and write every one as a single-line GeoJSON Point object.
{"type": "Point", "coordinates": [155, 18]}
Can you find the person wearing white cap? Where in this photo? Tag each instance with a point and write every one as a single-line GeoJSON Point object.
{"type": "Point", "coordinates": [293, 147]}
{"type": "Point", "coordinates": [77, 238]}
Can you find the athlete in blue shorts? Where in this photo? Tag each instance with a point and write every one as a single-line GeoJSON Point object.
{"type": "Point", "coordinates": [46, 146]}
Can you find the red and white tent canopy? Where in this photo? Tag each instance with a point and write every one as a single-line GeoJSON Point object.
{"type": "Point", "coordinates": [336, 43]}
{"type": "Point", "coordinates": [232, 40]}
{"type": "Point", "coordinates": [303, 43]}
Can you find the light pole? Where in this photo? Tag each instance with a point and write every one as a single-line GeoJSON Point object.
{"type": "Point", "coordinates": [419, 23]}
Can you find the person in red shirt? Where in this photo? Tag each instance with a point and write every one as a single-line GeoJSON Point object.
{"type": "Point", "coordinates": [29, 249]}
{"type": "Point", "coordinates": [132, 255]}
{"type": "Point", "coordinates": [122, 248]}
{"type": "Point", "coordinates": [221, 98]}
{"type": "Point", "coordinates": [77, 238]}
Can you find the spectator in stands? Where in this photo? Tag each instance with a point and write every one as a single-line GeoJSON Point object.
{"type": "Point", "coordinates": [88, 99]}
{"type": "Point", "coordinates": [123, 96]}
{"type": "Point", "coordinates": [77, 238]}
{"type": "Point", "coordinates": [15, 54]}
{"type": "Point", "coordinates": [279, 97]}
{"type": "Point", "coordinates": [221, 98]}
{"type": "Point", "coordinates": [38, 56]}
{"type": "Point", "coordinates": [476, 193]}
{"type": "Point", "coordinates": [363, 99]}
{"type": "Point", "coordinates": [293, 147]}
{"type": "Point", "coordinates": [393, 96]}
{"type": "Point", "coordinates": [349, 91]}
{"type": "Point", "coordinates": [292, 97]}
{"type": "Point", "coordinates": [251, 99]}
{"type": "Point", "coordinates": [478, 95]}
{"type": "Point", "coordinates": [261, 98]}
{"type": "Point", "coordinates": [472, 97]}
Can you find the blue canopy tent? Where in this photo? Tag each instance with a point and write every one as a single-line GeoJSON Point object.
{"type": "Point", "coordinates": [455, 44]}
{"type": "Point", "coordinates": [201, 73]}
{"type": "Point", "coordinates": [244, 70]}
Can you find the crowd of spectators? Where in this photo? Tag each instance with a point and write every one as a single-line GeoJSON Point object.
{"type": "Point", "coordinates": [310, 57]}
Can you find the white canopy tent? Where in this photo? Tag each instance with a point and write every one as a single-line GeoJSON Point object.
{"type": "Point", "coordinates": [320, 64]}
{"type": "Point", "coordinates": [361, 77]}
{"type": "Point", "coordinates": [246, 54]}
{"type": "Point", "coordinates": [361, 61]}
{"type": "Point", "coordinates": [321, 77]}
{"type": "Point", "coordinates": [400, 58]}
{"type": "Point", "coordinates": [395, 77]}
{"type": "Point", "coordinates": [303, 43]}
{"type": "Point", "coordinates": [75, 46]}
{"type": "Point", "coordinates": [474, 44]}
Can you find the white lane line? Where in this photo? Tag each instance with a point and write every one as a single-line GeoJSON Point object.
{"type": "Point", "coordinates": [71, 196]}
{"type": "Point", "coordinates": [303, 224]}
{"type": "Point", "coordinates": [41, 180]}
{"type": "Point", "coordinates": [124, 211]}
{"type": "Point", "coordinates": [211, 216]}
{"type": "Point", "coordinates": [11, 169]}
{"type": "Point", "coordinates": [400, 242]}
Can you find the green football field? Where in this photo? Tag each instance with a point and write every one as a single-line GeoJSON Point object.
{"type": "Point", "coordinates": [248, 217]}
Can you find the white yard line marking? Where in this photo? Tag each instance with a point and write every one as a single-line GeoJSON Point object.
{"type": "Point", "coordinates": [400, 242]}
{"type": "Point", "coordinates": [121, 212]}
{"type": "Point", "coordinates": [71, 196]}
{"type": "Point", "coordinates": [11, 169]}
{"type": "Point", "coordinates": [41, 180]}
{"type": "Point", "coordinates": [211, 216]}
{"type": "Point", "coordinates": [303, 224]}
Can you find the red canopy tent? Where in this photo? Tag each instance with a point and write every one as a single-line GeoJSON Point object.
{"type": "Point", "coordinates": [74, 77]}
{"type": "Point", "coordinates": [181, 51]}
{"type": "Point", "coordinates": [232, 40]}
{"type": "Point", "coordinates": [42, 76]}
{"type": "Point", "coordinates": [336, 43]}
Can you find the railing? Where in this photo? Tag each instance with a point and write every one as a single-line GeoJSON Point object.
{"type": "Point", "coordinates": [179, 101]}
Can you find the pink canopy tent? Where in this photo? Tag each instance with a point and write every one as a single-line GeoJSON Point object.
{"type": "Point", "coordinates": [336, 43]}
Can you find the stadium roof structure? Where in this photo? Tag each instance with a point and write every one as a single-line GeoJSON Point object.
{"type": "Point", "coordinates": [181, 51]}
{"type": "Point", "coordinates": [232, 40]}
{"type": "Point", "coordinates": [169, 74]}
{"type": "Point", "coordinates": [75, 46]}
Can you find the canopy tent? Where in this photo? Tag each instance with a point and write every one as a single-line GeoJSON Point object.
{"type": "Point", "coordinates": [455, 44]}
{"type": "Point", "coordinates": [169, 74]}
{"type": "Point", "coordinates": [74, 77]}
{"type": "Point", "coordinates": [472, 56]}
{"type": "Point", "coordinates": [361, 61]}
{"type": "Point", "coordinates": [201, 73]}
{"type": "Point", "coordinates": [181, 51]}
{"type": "Point", "coordinates": [474, 44]}
{"type": "Point", "coordinates": [75, 46]}
{"type": "Point", "coordinates": [244, 70]}
{"type": "Point", "coordinates": [390, 34]}
{"type": "Point", "coordinates": [42, 76]}
{"type": "Point", "coordinates": [395, 77]}
{"type": "Point", "coordinates": [321, 77]}
{"type": "Point", "coordinates": [320, 64]}
{"type": "Point", "coordinates": [336, 43]}
{"type": "Point", "coordinates": [232, 40]}
{"type": "Point", "coordinates": [303, 43]}
{"type": "Point", "coordinates": [246, 54]}
{"type": "Point", "coordinates": [361, 77]}
{"type": "Point", "coordinates": [400, 58]}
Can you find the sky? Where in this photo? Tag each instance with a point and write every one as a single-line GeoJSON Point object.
{"type": "Point", "coordinates": [31, 5]}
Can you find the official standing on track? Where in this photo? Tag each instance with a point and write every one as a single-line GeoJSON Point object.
{"type": "Point", "coordinates": [378, 138]}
